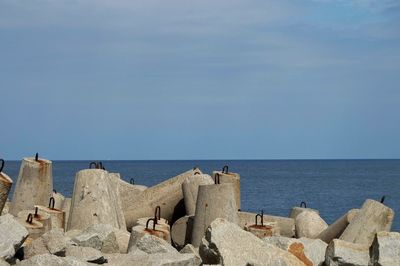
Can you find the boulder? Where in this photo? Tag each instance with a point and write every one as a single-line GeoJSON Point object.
{"type": "Point", "coordinates": [190, 188]}
{"type": "Point", "coordinates": [151, 245]}
{"type": "Point", "coordinates": [122, 237]}
{"type": "Point", "coordinates": [12, 236]}
{"type": "Point", "coordinates": [87, 254]}
{"type": "Point", "coordinates": [385, 249]}
{"type": "Point", "coordinates": [309, 251]}
{"type": "Point", "coordinates": [309, 224]}
{"type": "Point", "coordinates": [48, 259]}
{"type": "Point", "coordinates": [167, 194]}
{"type": "Point", "coordinates": [158, 259]}
{"type": "Point", "coordinates": [336, 229]}
{"type": "Point", "coordinates": [3, 262]}
{"type": "Point", "coordinates": [190, 249]}
{"type": "Point", "coordinates": [99, 236]}
{"type": "Point", "coordinates": [342, 253]}
{"type": "Point", "coordinates": [53, 242]}
{"type": "Point", "coordinates": [181, 231]}
{"type": "Point", "coordinates": [373, 217]}
{"type": "Point", "coordinates": [227, 244]}
{"type": "Point", "coordinates": [286, 225]}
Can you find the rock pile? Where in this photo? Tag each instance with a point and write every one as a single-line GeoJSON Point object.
{"type": "Point", "coordinates": [190, 219]}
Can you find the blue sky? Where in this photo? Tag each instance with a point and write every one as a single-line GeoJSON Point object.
{"type": "Point", "coordinates": [200, 79]}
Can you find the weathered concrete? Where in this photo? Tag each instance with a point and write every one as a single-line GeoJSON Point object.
{"type": "Point", "coordinates": [99, 236]}
{"type": "Point", "coordinates": [309, 251]}
{"type": "Point", "coordinates": [151, 245]}
{"type": "Point", "coordinates": [262, 229]}
{"type": "Point", "coordinates": [57, 216]}
{"type": "Point", "coordinates": [337, 228]}
{"type": "Point", "coordinates": [66, 208]}
{"type": "Point", "coordinates": [5, 186]}
{"type": "Point", "coordinates": [167, 194]}
{"type": "Point", "coordinates": [129, 193]}
{"type": "Point", "coordinates": [87, 254]}
{"type": "Point", "coordinates": [58, 200]}
{"type": "Point", "coordinates": [385, 249]}
{"type": "Point", "coordinates": [190, 249]}
{"type": "Point", "coordinates": [286, 225]}
{"type": "Point", "coordinates": [181, 231]}
{"type": "Point", "coordinates": [234, 178]}
{"type": "Point", "coordinates": [38, 216]}
{"type": "Point", "coordinates": [158, 259]}
{"type": "Point", "coordinates": [139, 231]}
{"type": "Point", "coordinates": [12, 235]}
{"type": "Point", "coordinates": [372, 218]}
{"type": "Point", "coordinates": [48, 259]}
{"type": "Point", "coordinates": [122, 237]}
{"type": "Point", "coordinates": [213, 201]}
{"type": "Point", "coordinates": [227, 244]}
{"type": "Point", "coordinates": [342, 253]}
{"type": "Point", "coordinates": [52, 242]}
{"type": "Point", "coordinates": [3, 262]}
{"type": "Point", "coordinates": [309, 224]}
{"type": "Point", "coordinates": [34, 185]}
{"type": "Point", "coordinates": [190, 188]}
{"type": "Point", "coordinates": [34, 227]}
{"type": "Point", "coordinates": [95, 201]}
{"type": "Point", "coordinates": [297, 210]}
{"type": "Point", "coordinates": [6, 208]}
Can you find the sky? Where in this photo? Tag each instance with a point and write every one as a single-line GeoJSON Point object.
{"type": "Point", "coordinates": [228, 79]}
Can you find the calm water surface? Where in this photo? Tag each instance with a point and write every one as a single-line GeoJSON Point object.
{"type": "Point", "coordinates": [331, 186]}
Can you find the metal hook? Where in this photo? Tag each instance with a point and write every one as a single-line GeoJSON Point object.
{"type": "Point", "coordinates": [132, 181]}
{"type": "Point", "coordinates": [261, 217]}
{"type": "Point", "coordinates": [196, 173]}
{"type": "Point", "coordinates": [216, 178]}
{"type": "Point", "coordinates": [52, 201]}
{"type": "Point", "coordinates": [2, 165]}
{"type": "Point", "coordinates": [303, 203]}
{"type": "Point", "coordinates": [55, 191]}
{"type": "Point", "coordinates": [92, 164]}
{"type": "Point", "coordinates": [154, 223]}
{"type": "Point", "coordinates": [37, 157]}
{"type": "Point", "coordinates": [383, 198]}
{"type": "Point", "coordinates": [195, 168]}
{"type": "Point", "coordinates": [29, 219]}
{"type": "Point", "coordinates": [225, 169]}
{"type": "Point", "coordinates": [100, 166]}
{"type": "Point", "coordinates": [36, 212]}
{"type": "Point", "coordinates": [157, 211]}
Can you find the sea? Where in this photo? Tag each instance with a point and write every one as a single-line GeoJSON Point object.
{"type": "Point", "coordinates": [275, 186]}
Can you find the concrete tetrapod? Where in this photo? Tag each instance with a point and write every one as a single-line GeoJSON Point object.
{"type": "Point", "coordinates": [94, 201]}
{"type": "Point", "coordinates": [5, 186]}
{"type": "Point", "coordinates": [58, 200]}
{"type": "Point", "coordinates": [167, 194]}
{"type": "Point", "coordinates": [38, 216]}
{"type": "Point", "coordinates": [213, 201]}
{"type": "Point", "coordinates": [57, 216]}
{"type": "Point", "coordinates": [373, 217]}
{"type": "Point", "coordinates": [34, 185]}
{"type": "Point", "coordinates": [297, 210]}
{"type": "Point", "coordinates": [129, 193]}
{"type": "Point", "coordinates": [226, 177]}
{"type": "Point", "coordinates": [336, 229]}
{"type": "Point", "coordinates": [190, 188]}
{"type": "Point", "coordinates": [181, 231]}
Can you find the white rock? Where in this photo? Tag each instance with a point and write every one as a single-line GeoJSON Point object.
{"type": "Point", "coordinates": [3, 262]}
{"type": "Point", "coordinates": [99, 236]}
{"type": "Point", "coordinates": [152, 244]}
{"type": "Point", "coordinates": [385, 249]}
{"type": "Point", "coordinates": [12, 235]}
{"type": "Point", "coordinates": [159, 259]}
{"type": "Point", "coordinates": [309, 224]}
{"type": "Point", "coordinates": [85, 254]}
{"type": "Point", "coordinates": [53, 242]}
{"type": "Point", "coordinates": [48, 259]}
{"type": "Point", "coordinates": [342, 253]}
{"type": "Point", "coordinates": [190, 249]}
{"type": "Point", "coordinates": [227, 244]}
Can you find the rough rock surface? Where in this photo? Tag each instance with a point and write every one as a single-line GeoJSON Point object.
{"type": "Point", "coordinates": [342, 253]}
{"type": "Point", "coordinates": [12, 235]}
{"type": "Point", "coordinates": [385, 249]}
{"type": "Point", "coordinates": [143, 259]}
{"type": "Point", "coordinates": [152, 244]}
{"type": "Point", "coordinates": [48, 259]}
{"type": "Point", "coordinates": [190, 249]}
{"type": "Point", "coordinates": [85, 254]}
{"type": "Point", "coordinates": [99, 236]}
{"type": "Point", "coordinates": [53, 242]}
{"type": "Point", "coordinates": [373, 217]}
{"type": "Point", "coordinates": [309, 251]}
{"type": "Point", "coordinates": [309, 224]}
{"type": "Point", "coordinates": [227, 244]}
{"type": "Point", "coordinates": [297, 210]}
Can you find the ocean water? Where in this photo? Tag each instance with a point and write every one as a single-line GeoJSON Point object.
{"type": "Point", "coordinates": [275, 186]}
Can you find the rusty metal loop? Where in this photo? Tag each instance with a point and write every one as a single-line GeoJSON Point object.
{"type": "Point", "coordinates": [225, 169]}
{"type": "Point", "coordinates": [29, 219]}
{"type": "Point", "coordinates": [196, 173]}
{"type": "Point", "coordinates": [55, 191]}
{"type": "Point", "coordinates": [92, 164]}
{"type": "Point", "coordinates": [303, 203]}
{"type": "Point", "coordinates": [132, 181]}
{"type": "Point", "coordinates": [195, 168]}
{"type": "Point", "coordinates": [383, 199]}
{"type": "Point", "coordinates": [154, 223]}
{"type": "Point", "coordinates": [157, 211]}
{"type": "Point", "coordinates": [100, 166]}
{"type": "Point", "coordinates": [261, 218]}
{"type": "Point", "coordinates": [37, 157]}
{"type": "Point", "coordinates": [36, 212]}
{"type": "Point", "coordinates": [52, 201]}
{"type": "Point", "coordinates": [2, 165]}
{"type": "Point", "coordinates": [216, 179]}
